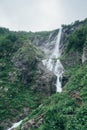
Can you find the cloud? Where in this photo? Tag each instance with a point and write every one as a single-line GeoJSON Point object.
{"type": "Point", "coordinates": [37, 15]}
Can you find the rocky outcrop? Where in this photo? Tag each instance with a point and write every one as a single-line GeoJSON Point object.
{"type": "Point", "coordinates": [45, 43]}
{"type": "Point", "coordinates": [32, 71]}
{"type": "Point", "coordinates": [44, 80]}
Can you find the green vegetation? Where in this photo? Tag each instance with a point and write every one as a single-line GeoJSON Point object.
{"type": "Point", "coordinates": [77, 39]}
{"type": "Point", "coordinates": [18, 68]}
{"type": "Point", "coordinates": [68, 110]}
{"type": "Point", "coordinates": [16, 97]}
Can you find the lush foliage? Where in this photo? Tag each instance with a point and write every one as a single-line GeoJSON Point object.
{"type": "Point", "coordinates": [66, 111]}
{"type": "Point", "coordinates": [16, 98]}
{"type": "Point", "coordinates": [61, 111]}
{"type": "Point", "coordinates": [77, 39]}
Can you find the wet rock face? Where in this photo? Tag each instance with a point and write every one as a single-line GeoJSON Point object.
{"type": "Point", "coordinates": [46, 43]}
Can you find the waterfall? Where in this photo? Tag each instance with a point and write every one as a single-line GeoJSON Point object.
{"type": "Point", "coordinates": [53, 63]}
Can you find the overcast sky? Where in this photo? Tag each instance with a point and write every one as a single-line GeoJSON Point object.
{"type": "Point", "coordinates": [37, 15]}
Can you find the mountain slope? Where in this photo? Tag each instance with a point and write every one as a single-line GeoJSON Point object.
{"type": "Point", "coordinates": [24, 82]}
{"type": "Point", "coordinates": [26, 86]}
{"type": "Point", "coordinates": [65, 111]}
{"type": "Point", "coordinates": [68, 110]}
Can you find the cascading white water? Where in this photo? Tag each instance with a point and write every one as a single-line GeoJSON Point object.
{"type": "Point", "coordinates": [53, 63]}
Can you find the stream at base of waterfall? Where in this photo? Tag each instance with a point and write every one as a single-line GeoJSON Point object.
{"type": "Point", "coordinates": [53, 63]}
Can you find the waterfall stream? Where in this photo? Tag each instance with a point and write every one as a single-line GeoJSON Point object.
{"type": "Point", "coordinates": [53, 63]}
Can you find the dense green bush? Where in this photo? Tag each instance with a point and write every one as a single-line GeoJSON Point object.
{"type": "Point", "coordinates": [15, 96]}
{"type": "Point", "coordinates": [77, 40]}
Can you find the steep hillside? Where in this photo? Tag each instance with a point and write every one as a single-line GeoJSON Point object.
{"type": "Point", "coordinates": [24, 81]}
{"type": "Point", "coordinates": [27, 88]}
{"type": "Point", "coordinates": [66, 110]}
